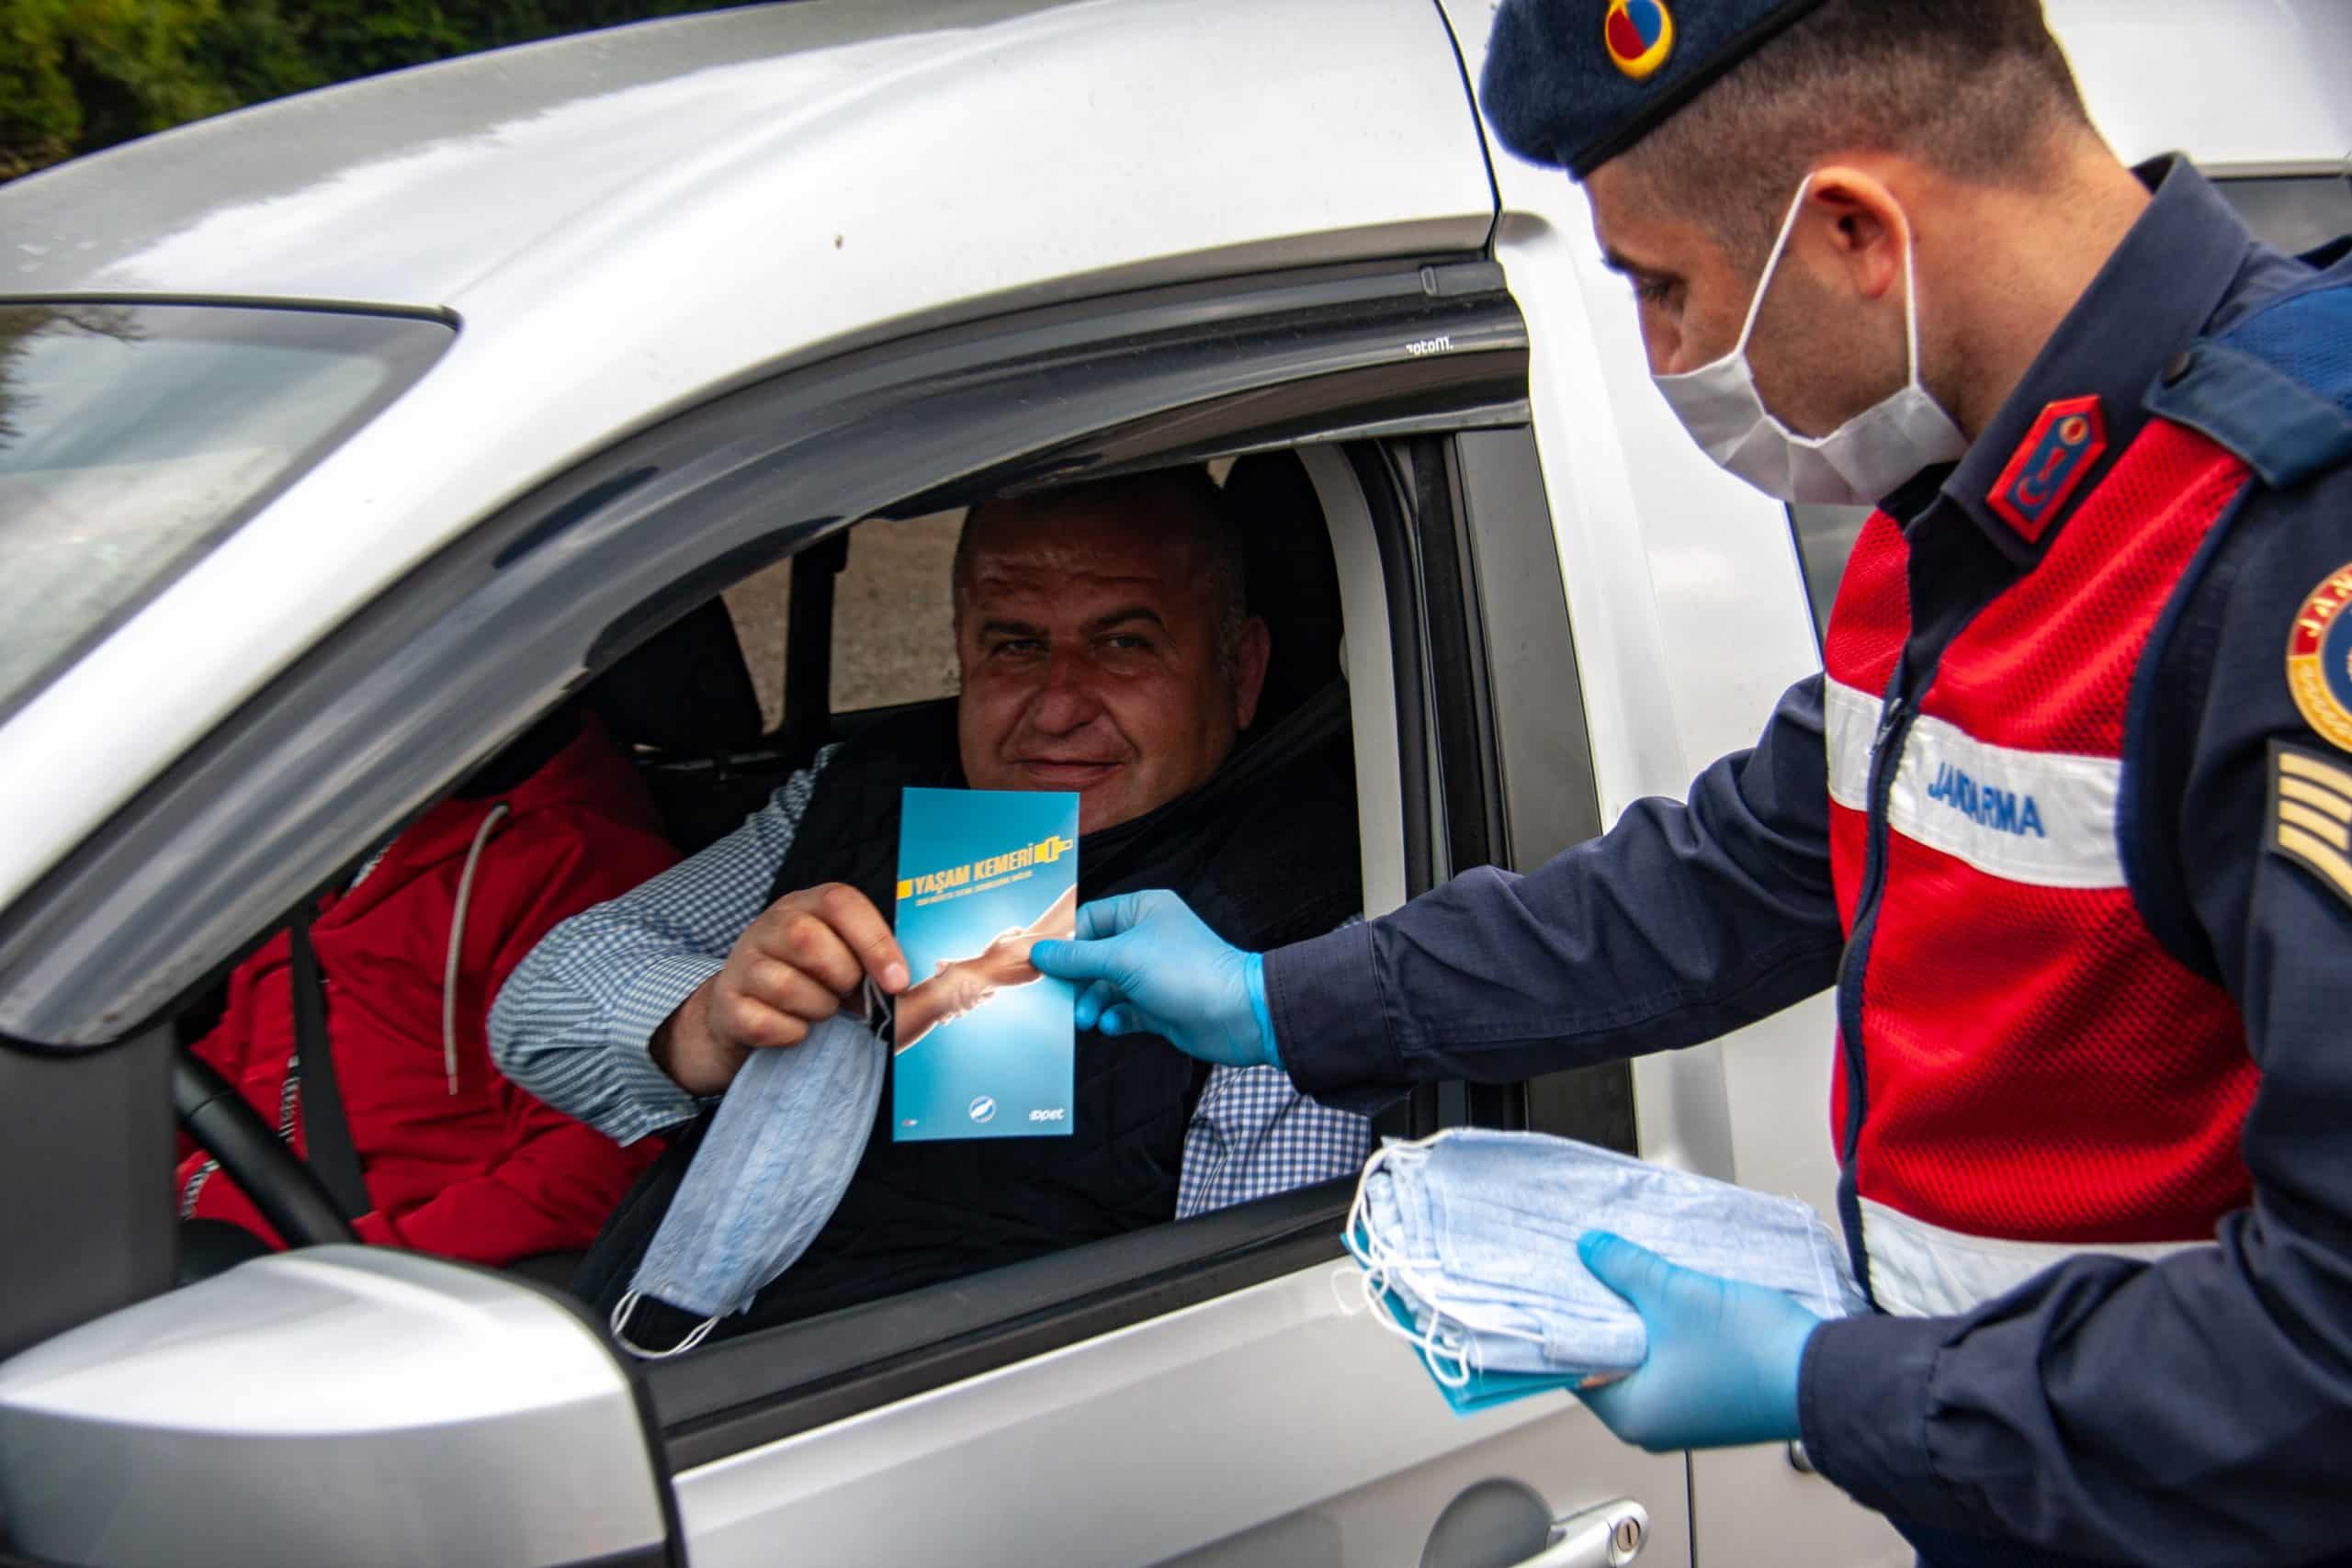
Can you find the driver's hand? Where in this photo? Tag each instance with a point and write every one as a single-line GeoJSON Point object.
{"type": "Point", "coordinates": [795, 965]}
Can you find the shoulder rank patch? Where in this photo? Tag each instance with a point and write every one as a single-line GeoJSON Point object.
{"type": "Point", "coordinates": [2311, 816]}
{"type": "Point", "coordinates": [2319, 658]}
{"type": "Point", "coordinates": [2061, 447]}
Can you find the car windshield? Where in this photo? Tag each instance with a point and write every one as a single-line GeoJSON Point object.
{"type": "Point", "coordinates": [132, 437]}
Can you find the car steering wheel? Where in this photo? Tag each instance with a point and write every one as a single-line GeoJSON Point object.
{"type": "Point", "coordinates": [287, 1191]}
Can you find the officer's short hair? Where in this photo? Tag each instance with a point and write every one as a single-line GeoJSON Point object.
{"type": "Point", "coordinates": [1977, 89]}
{"type": "Point", "coordinates": [1185, 496]}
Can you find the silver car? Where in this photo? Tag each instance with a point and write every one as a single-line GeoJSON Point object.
{"type": "Point", "coordinates": [376, 422]}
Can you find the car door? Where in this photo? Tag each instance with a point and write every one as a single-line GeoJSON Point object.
{"type": "Point", "coordinates": [1205, 1391]}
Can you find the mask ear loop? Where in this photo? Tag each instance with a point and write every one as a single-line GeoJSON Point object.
{"type": "Point", "coordinates": [1447, 1338]}
{"type": "Point", "coordinates": [1462, 1352]}
{"type": "Point", "coordinates": [628, 1304]}
{"type": "Point", "coordinates": [1379, 1261]}
{"type": "Point", "coordinates": [1438, 1348]}
{"type": "Point", "coordinates": [1378, 1257]}
{"type": "Point", "coordinates": [1772, 265]}
{"type": "Point", "coordinates": [1910, 285]}
{"type": "Point", "coordinates": [1910, 305]}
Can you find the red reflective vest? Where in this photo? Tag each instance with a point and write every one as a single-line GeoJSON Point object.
{"type": "Point", "coordinates": [2036, 1073]}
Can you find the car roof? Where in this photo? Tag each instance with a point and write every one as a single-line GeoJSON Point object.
{"type": "Point", "coordinates": [624, 224]}
{"type": "Point", "coordinates": [418, 187]}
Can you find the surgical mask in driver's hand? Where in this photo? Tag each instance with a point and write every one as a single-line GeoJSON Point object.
{"type": "Point", "coordinates": [769, 1174]}
{"type": "Point", "coordinates": [1856, 464]}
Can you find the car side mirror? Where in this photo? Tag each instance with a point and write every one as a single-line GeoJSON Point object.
{"type": "Point", "coordinates": [335, 1405]}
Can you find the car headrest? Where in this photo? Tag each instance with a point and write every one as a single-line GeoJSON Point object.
{"type": "Point", "coordinates": [685, 689]}
{"type": "Point", "coordinates": [1293, 581]}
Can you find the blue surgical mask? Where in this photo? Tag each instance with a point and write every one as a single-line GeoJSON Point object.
{"type": "Point", "coordinates": [769, 1174]}
{"type": "Point", "coordinates": [1468, 1239]}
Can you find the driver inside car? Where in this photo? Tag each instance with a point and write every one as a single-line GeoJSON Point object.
{"type": "Point", "coordinates": [1104, 648]}
{"type": "Point", "coordinates": [456, 1159]}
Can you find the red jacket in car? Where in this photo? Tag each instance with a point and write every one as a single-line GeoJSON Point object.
{"type": "Point", "coordinates": [476, 1169]}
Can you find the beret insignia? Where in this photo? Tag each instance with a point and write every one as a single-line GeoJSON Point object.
{"type": "Point", "coordinates": [1640, 34]}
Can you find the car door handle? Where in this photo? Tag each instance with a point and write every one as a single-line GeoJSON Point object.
{"type": "Point", "coordinates": [1607, 1537]}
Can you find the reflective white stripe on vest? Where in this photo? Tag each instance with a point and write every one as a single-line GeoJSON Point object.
{"type": "Point", "coordinates": [2046, 818]}
{"type": "Point", "coordinates": [1923, 1271]}
{"type": "Point", "coordinates": [1850, 723]}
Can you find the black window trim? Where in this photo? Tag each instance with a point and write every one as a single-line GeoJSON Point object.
{"type": "Point", "coordinates": [1534, 736]}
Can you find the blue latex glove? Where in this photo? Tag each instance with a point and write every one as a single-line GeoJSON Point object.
{"type": "Point", "coordinates": [1721, 1368]}
{"type": "Point", "coordinates": [1150, 966]}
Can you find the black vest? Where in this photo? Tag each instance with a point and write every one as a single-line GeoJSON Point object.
{"type": "Point", "coordinates": [1265, 852]}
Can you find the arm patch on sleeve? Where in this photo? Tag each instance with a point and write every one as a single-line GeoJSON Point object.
{"type": "Point", "coordinates": [2310, 820]}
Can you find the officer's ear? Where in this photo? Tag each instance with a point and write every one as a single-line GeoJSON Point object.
{"type": "Point", "coordinates": [1852, 215]}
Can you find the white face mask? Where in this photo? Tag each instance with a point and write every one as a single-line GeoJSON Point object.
{"type": "Point", "coordinates": [1854, 465]}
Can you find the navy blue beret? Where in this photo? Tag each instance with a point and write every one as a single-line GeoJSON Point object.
{"type": "Point", "coordinates": [1576, 81]}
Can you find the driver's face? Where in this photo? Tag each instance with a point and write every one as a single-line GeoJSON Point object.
{"type": "Point", "coordinates": [1088, 648]}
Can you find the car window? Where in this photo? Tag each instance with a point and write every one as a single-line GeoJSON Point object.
{"type": "Point", "coordinates": [892, 638]}
{"type": "Point", "coordinates": [133, 437]}
{"type": "Point", "coordinates": [2295, 213]}
{"type": "Point", "coordinates": [761, 607]}
{"type": "Point", "coordinates": [891, 643]}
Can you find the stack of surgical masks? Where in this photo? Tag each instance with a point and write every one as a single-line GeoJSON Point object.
{"type": "Point", "coordinates": [1468, 1245]}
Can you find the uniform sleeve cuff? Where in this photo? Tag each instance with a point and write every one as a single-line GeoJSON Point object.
{"type": "Point", "coordinates": [1325, 999]}
{"type": "Point", "coordinates": [1864, 1403]}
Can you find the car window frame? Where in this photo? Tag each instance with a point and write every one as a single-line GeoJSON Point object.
{"type": "Point", "coordinates": [1522, 753]}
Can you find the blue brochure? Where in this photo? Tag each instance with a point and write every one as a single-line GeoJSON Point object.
{"type": "Point", "coordinates": [984, 1045]}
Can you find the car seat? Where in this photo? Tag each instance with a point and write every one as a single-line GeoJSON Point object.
{"type": "Point", "coordinates": [1293, 581]}
{"type": "Point", "coordinates": [682, 700]}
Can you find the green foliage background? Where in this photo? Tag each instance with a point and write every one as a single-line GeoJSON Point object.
{"type": "Point", "coordinates": [77, 76]}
